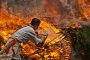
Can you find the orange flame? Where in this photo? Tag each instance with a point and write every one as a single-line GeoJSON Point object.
{"type": "Point", "coordinates": [10, 23]}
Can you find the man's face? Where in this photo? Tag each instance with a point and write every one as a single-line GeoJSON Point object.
{"type": "Point", "coordinates": [36, 26]}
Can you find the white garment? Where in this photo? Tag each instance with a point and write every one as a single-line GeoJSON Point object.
{"type": "Point", "coordinates": [25, 34]}
{"type": "Point", "coordinates": [15, 47]}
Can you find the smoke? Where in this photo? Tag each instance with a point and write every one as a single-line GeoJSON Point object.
{"type": "Point", "coordinates": [82, 22]}
{"type": "Point", "coordinates": [67, 23]}
{"type": "Point", "coordinates": [40, 8]}
{"type": "Point", "coordinates": [56, 11]}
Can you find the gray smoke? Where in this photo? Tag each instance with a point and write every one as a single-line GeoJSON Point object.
{"type": "Point", "coordinates": [68, 23]}
{"type": "Point", "coordinates": [57, 12]}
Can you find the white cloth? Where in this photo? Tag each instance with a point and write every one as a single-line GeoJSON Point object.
{"type": "Point", "coordinates": [25, 34]}
{"type": "Point", "coordinates": [16, 49]}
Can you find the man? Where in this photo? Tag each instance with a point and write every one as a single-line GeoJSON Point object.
{"type": "Point", "coordinates": [23, 35]}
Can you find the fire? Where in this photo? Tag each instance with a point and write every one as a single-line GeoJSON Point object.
{"type": "Point", "coordinates": [84, 7]}
{"type": "Point", "coordinates": [75, 25]}
{"type": "Point", "coordinates": [52, 38]}
{"type": "Point", "coordinates": [57, 45]}
{"type": "Point", "coordinates": [10, 23]}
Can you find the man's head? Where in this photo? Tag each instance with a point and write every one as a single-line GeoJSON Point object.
{"type": "Point", "coordinates": [35, 23]}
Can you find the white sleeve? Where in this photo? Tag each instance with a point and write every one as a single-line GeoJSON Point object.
{"type": "Point", "coordinates": [34, 38]}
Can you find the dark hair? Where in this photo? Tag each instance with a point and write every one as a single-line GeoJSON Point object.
{"type": "Point", "coordinates": [35, 21]}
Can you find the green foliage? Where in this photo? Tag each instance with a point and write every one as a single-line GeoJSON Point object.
{"type": "Point", "coordinates": [86, 37]}
{"type": "Point", "coordinates": [80, 38]}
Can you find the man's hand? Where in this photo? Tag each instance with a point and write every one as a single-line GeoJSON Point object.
{"type": "Point", "coordinates": [39, 44]}
{"type": "Point", "coordinates": [45, 37]}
